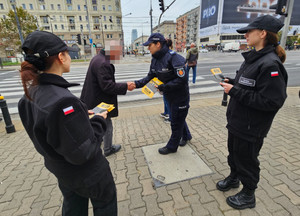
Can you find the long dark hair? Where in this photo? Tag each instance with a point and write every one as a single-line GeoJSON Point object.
{"type": "Point", "coordinates": [31, 69]}
{"type": "Point", "coordinates": [272, 39]}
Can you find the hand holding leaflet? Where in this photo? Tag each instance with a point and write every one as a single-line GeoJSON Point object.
{"type": "Point", "coordinates": [218, 74]}
{"type": "Point", "coordinates": [150, 88]}
{"type": "Point", "coordinates": [102, 107]}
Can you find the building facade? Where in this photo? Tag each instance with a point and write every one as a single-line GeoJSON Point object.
{"type": "Point", "coordinates": [67, 18]}
{"type": "Point", "coordinates": [167, 29]}
{"type": "Point", "coordinates": [181, 29]}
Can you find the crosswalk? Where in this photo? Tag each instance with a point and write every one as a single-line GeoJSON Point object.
{"type": "Point", "coordinates": [11, 88]}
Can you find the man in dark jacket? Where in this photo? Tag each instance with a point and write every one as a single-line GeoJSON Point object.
{"type": "Point", "coordinates": [100, 86]}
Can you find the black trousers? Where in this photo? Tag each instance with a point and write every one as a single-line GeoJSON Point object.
{"type": "Point", "coordinates": [76, 202]}
{"type": "Point", "coordinates": [243, 160]}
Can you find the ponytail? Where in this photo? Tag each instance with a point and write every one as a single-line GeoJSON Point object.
{"type": "Point", "coordinates": [272, 39]}
{"type": "Point", "coordinates": [169, 43]}
{"type": "Point", "coordinates": [29, 76]}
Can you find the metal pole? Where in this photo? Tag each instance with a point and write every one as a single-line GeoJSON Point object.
{"type": "Point", "coordinates": [287, 21]}
{"type": "Point", "coordinates": [102, 32]}
{"type": "Point", "coordinates": [90, 34]}
{"type": "Point", "coordinates": [10, 128]}
{"type": "Point", "coordinates": [151, 16]}
{"type": "Point", "coordinates": [165, 11]}
{"type": "Point", "coordinates": [17, 19]}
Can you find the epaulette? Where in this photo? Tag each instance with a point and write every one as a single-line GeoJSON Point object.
{"type": "Point", "coordinates": [172, 52]}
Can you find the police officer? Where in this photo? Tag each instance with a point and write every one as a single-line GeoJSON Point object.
{"type": "Point", "coordinates": [169, 67]}
{"type": "Point", "coordinates": [58, 124]}
{"type": "Point", "coordinates": [256, 94]}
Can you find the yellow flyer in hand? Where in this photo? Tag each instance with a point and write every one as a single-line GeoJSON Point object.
{"type": "Point", "coordinates": [149, 89]}
{"type": "Point", "coordinates": [103, 107]}
{"type": "Point", "coordinates": [218, 74]}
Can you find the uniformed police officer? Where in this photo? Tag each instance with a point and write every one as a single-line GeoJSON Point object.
{"type": "Point", "coordinates": [256, 94]}
{"type": "Point", "coordinates": [169, 67]}
{"type": "Point", "coordinates": [58, 124]}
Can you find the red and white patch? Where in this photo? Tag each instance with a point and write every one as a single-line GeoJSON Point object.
{"type": "Point", "coordinates": [68, 110]}
{"type": "Point", "coordinates": [274, 74]}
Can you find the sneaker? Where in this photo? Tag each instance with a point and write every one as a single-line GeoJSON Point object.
{"type": "Point", "coordinates": [167, 120]}
{"type": "Point", "coordinates": [114, 149]}
{"type": "Point", "coordinates": [163, 115]}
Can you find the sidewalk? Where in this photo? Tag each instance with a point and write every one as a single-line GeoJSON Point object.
{"type": "Point", "coordinates": [27, 188]}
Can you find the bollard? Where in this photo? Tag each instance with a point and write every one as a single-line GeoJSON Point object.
{"type": "Point", "coordinates": [224, 101]}
{"type": "Point", "coordinates": [10, 128]}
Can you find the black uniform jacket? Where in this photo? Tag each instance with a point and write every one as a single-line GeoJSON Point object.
{"type": "Point", "coordinates": [169, 67]}
{"type": "Point", "coordinates": [100, 84]}
{"type": "Point", "coordinates": [259, 91]}
{"type": "Point", "coordinates": [58, 124]}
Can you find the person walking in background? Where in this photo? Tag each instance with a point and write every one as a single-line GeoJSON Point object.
{"type": "Point", "coordinates": [100, 86]}
{"type": "Point", "coordinates": [58, 124]}
{"type": "Point", "coordinates": [256, 94]}
{"type": "Point", "coordinates": [169, 67]}
{"type": "Point", "coordinates": [191, 61]}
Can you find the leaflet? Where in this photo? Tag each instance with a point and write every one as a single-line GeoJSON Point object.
{"type": "Point", "coordinates": [149, 89]}
{"type": "Point", "coordinates": [218, 74]}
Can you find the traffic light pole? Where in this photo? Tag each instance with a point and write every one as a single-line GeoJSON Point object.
{"type": "Point", "coordinates": [286, 26]}
{"type": "Point", "coordinates": [164, 11]}
{"type": "Point", "coordinates": [90, 34]}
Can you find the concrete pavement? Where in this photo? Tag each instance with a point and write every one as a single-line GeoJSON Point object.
{"type": "Point", "coordinates": [27, 187]}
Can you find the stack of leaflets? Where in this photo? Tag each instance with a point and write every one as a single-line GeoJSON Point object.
{"type": "Point", "coordinates": [102, 107]}
{"type": "Point", "coordinates": [218, 74]}
{"type": "Point", "coordinates": [149, 89]}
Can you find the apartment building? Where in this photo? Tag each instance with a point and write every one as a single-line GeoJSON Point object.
{"type": "Point", "coordinates": [181, 29]}
{"type": "Point", "coordinates": [167, 29]}
{"type": "Point", "coordinates": [67, 18]}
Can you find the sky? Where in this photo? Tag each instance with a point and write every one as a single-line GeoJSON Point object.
{"type": "Point", "coordinates": [140, 18]}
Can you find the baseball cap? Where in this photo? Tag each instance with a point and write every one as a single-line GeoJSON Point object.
{"type": "Point", "coordinates": [266, 22]}
{"type": "Point", "coordinates": [44, 44]}
{"type": "Point", "coordinates": [154, 37]}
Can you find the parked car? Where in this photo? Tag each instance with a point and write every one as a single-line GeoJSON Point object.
{"type": "Point", "coordinates": [231, 47]}
{"type": "Point", "coordinates": [203, 51]}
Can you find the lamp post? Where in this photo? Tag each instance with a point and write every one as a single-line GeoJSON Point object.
{"type": "Point", "coordinates": [123, 31]}
{"type": "Point", "coordinates": [13, 4]}
{"type": "Point", "coordinates": [90, 34]}
{"type": "Point", "coordinates": [102, 31]}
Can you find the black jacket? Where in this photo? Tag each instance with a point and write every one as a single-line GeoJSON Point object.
{"type": "Point", "coordinates": [58, 124]}
{"type": "Point", "coordinates": [259, 91]}
{"type": "Point", "coordinates": [169, 67]}
{"type": "Point", "coordinates": [100, 84]}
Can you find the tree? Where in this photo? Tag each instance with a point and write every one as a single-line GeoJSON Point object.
{"type": "Point", "coordinates": [9, 34]}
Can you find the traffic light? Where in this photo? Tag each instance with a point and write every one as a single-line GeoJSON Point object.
{"type": "Point", "coordinates": [84, 41]}
{"type": "Point", "coordinates": [94, 45]}
{"type": "Point", "coordinates": [280, 7]}
{"type": "Point", "coordinates": [161, 5]}
{"type": "Point", "coordinates": [78, 39]}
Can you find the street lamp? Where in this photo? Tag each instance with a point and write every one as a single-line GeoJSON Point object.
{"type": "Point", "coordinates": [123, 31]}
{"type": "Point", "coordinates": [102, 31]}
{"type": "Point", "coordinates": [13, 4]}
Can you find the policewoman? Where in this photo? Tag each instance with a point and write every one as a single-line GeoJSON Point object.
{"type": "Point", "coordinates": [58, 124]}
{"type": "Point", "coordinates": [257, 92]}
{"type": "Point", "coordinates": [169, 67]}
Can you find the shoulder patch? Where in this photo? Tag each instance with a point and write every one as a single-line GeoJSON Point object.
{"type": "Point", "coordinates": [172, 52]}
{"type": "Point", "coordinates": [180, 72]}
{"type": "Point", "coordinates": [68, 110]}
{"type": "Point", "coordinates": [274, 74]}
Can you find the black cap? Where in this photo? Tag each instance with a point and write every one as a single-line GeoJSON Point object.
{"type": "Point", "coordinates": [154, 37]}
{"type": "Point", "coordinates": [266, 22]}
{"type": "Point", "coordinates": [44, 44]}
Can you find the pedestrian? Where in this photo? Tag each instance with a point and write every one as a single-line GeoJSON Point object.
{"type": "Point", "coordinates": [169, 67]}
{"type": "Point", "coordinates": [100, 86]}
{"type": "Point", "coordinates": [257, 92]}
{"type": "Point", "coordinates": [191, 61]}
{"type": "Point", "coordinates": [58, 124]}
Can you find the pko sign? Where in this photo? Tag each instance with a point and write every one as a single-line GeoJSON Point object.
{"type": "Point", "coordinates": [209, 12]}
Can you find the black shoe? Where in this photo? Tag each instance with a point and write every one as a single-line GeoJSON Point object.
{"type": "Point", "coordinates": [165, 150]}
{"type": "Point", "coordinates": [241, 200]}
{"type": "Point", "coordinates": [228, 183]}
{"type": "Point", "coordinates": [183, 142]}
{"type": "Point", "coordinates": [114, 149]}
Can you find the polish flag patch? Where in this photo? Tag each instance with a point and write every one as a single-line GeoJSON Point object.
{"type": "Point", "coordinates": [68, 110]}
{"type": "Point", "coordinates": [274, 74]}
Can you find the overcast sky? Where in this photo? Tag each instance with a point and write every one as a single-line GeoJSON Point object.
{"type": "Point", "coordinates": [140, 18]}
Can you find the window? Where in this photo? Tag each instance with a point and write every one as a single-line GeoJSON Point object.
{"type": "Point", "coordinates": [30, 6]}
{"type": "Point", "coordinates": [109, 8]}
{"type": "Point", "coordinates": [94, 8]}
{"type": "Point", "coordinates": [86, 18]}
{"type": "Point", "coordinates": [120, 36]}
{"type": "Point", "coordinates": [105, 26]}
{"type": "Point", "coordinates": [69, 7]}
{"type": "Point", "coordinates": [43, 7]}
{"type": "Point", "coordinates": [111, 26]}
{"type": "Point", "coordinates": [80, 19]}
{"type": "Point", "coordinates": [61, 18]}
{"type": "Point", "coordinates": [96, 19]}
{"type": "Point", "coordinates": [84, 7]}
{"type": "Point", "coordinates": [55, 27]}
{"type": "Point", "coordinates": [58, 7]}
{"type": "Point", "coordinates": [110, 19]}
{"type": "Point", "coordinates": [47, 27]}
{"type": "Point", "coordinates": [87, 26]}
{"type": "Point", "coordinates": [81, 26]}
{"type": "Point", "coordinates": [69, 1]}
{"type": "Point", "coordinates": [4, 17]}
{"type": "Point", "coordinates": [74, 36]}
{"type": "Point", "coordinates": [62, 27]}
{"type": "Point", "coordinates": [24, 6]}
{"type": "Point", "coordinates": [52, 6]}
{"type": "Point", "coordinates": [117, 9]}
{"type": "Point", "coordinates": [54, 18]}
{"type": "Point", "coordinates": [104, 18]}
{"type": "Point", "coordinates": [1, 6]}
{"type": "Point", "coordinates": [103, 7]}
{"type": "Point", "coordinates": [61, 36]}
{"type": "Point", "coordinates": [94, 1]}
{"type": "Point", "coordinates": [118, 20]}
{"type": "Point", "coordinates": [71, 20]}
{"type": "Point", "coordinates": [98, 36]}
{"type": "Point", "coordinates": [44, 19]}
{"type": "Point", "coordinates": [78, 7]}
{"type": "Point", "coordinates": [109, 35]}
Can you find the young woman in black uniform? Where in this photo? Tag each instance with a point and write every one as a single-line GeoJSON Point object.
{"type": "Point", "coordinates": [256, 94]}
{"type": "Point", "coordinates": [58, 124]}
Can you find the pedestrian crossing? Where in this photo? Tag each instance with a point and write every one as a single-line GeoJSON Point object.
{"type": "Point", "coordinates": [12, 90]}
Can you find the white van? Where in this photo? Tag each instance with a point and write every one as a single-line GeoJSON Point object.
{"type": "Point", "coordinates": [231, 47]}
